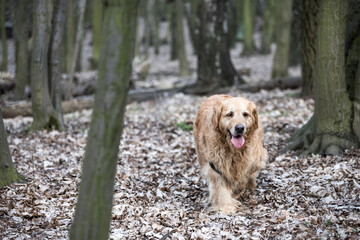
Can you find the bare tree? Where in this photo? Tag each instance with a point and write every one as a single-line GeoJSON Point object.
{"type": "Point", "coordinates": [93, 208]}
{"type": "Point", "coordinates": [45, 115]}
{"type": "Point", "coordinates": [3, 37]}
{"type": "Point", "coordinates": [282, 32]}
{"type": "Point", "coordinates": [8, 173]}
{"type": "Point", "coordinates": [21, 35]}
{"type": "Point", "coordinates": [335, 124]}
{"type": "Point", "coordinates": [183, 62]}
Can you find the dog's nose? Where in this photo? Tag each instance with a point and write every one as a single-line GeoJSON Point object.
{"type": "Point", "coordinates": [239, 128]}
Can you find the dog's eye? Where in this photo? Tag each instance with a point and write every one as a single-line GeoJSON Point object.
{"type": "Point", "coordinates": [230, 114]}
{"type": "Point", "coordinates": [245, 114]}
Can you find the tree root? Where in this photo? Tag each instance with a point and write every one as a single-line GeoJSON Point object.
{"type": "Point", "coordinates": [307, 141]}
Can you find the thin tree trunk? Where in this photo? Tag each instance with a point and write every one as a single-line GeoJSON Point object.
{"type": "Point", "coordinates": [44, 114]}
{"type": "Point", "coordinates": [70, 34]}
{"type": "Point", "coordinates": [267, 35]}
{"type": "Point", "coordinates": [147, 27]}
{"type": "Point", "coordinates": [155, 20]}
{"type": "Point", "coordinates": [183, 62]}
{"type": "Point", "coordinates": [93, 209]}
{"type": "Point", "coordinates": [173, 26]}
{"type": "Point", "coordinates": [249, 17]}
{"type": "Point", "coordinates": [97, 30]}
{"type": "Point", "coordinates": [3, 38]}
{"type": "Point", "coordinates": [309, 18]}
{"type": "Point", "coordinates": [21, 34]}
{"type": "Point", "coordinates": [58, 24]}
{"type": "Point", "coordinates": [8, 173]}
{"type": "Point", "coordinates": [295, 32]}
{"type": "Point", "coordinates": [79, 34]}
{"type": "Point", "coordinates": [190, 14]}
{"type": "Point", "coordinates": [283, 26]}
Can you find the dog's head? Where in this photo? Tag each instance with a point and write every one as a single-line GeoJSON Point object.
{"type": "Point", "coordinates": [236, 118]}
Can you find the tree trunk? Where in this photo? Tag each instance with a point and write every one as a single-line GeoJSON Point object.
{"type": "Point", "coordinates": [8, 173]}
{"type": "Point", "coordinates": [21, 35]}
{"type": "Point", "coordinates": [79, 34]}
{"type": "Point", "coordinates": [183, 62]}
{"type": "Point", "coordinates": [97, 31]}
{"type": "Point", "coordinates": [249, 18]}
{"type": "Point", "coordinates": [45, 115]}
{"type": "Point", "coordinates": [330, 130]}
{"type": "Point", "coordinates": [155, 20]}
{"type": "Point", "coordinates": [309, 18]}
{"type": "Point", "coordinates": [295, 32]}
{"type": "Point", "coordinates": [3, 38]}
{"type": "Point", "coordinates": [173, 27]}
{"type": "Point", "coordinates": [283, 23]}
{"type": "Point", "coordinates": [57, 33]}
{"type": "Point", "coordinates": [70, 34]}
{"type": "Point", "coordinates": [190, 15]}
{"type": "Point", "coordinates": [93, 209]}
{"type": "Point", "coordinates": [215, 68]}
{"type": "Point", "coordinates": [268, 27]}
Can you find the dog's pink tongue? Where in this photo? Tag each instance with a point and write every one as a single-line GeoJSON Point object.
{"type": "Point", "coordinates": [238, 141]}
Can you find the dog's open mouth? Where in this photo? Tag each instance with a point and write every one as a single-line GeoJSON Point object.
{"type": "Point", "coordinates": [238, 141]}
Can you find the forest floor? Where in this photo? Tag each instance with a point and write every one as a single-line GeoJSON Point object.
{"type": "Point", "coordinates": [159, 192]}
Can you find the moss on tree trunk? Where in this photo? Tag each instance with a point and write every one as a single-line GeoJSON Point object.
{"type": "Point", "coordinates": [183, 62]}
{"type": "Point", "coordinates": [330, 130]}
{"type": "Point", "coordinates": [93, 208]}
{"type": "Point", "coordinates": [249, 19]}
{"type": "Point", "coordinates": [282, 33]}
{"type": "Point", "coordinates": [8, 173]}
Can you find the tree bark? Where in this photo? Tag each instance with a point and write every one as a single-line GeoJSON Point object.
{"type": "Point", "coordinates": [215, 68]}
{"type": "Point", "coordinates": [295, 32]}
{"type": "Point", "coordinates": [283, 23]}
{"type": "Point", "coordinates": [330, 129]}
{"type": "Point", "coordinates": [79, 34]}
{"type": "Point", "coordinates": [249, 17]}
{"type": "Point", "coordinates": [21, 34]}
{"type": "Point", "coordinates": [97, 22]}
{"type": "Point", "coordinates": [269, 26]}
{"type": "Point", "coordinates": [57, 33]}
{"type": "Point", "coordinates": [3, 38]}
{"type": "Point", "coordinates": [93, 209]}
{"type": "Point", "coordinates": [309, 18]}
{"type": "Point", "coordinates": [45, 115]}
{"type": "Point", "coordinates": [183, 62]}
{"type": "Point", "coordinates": [8, 173]}
{"type": "Point", "coordinates": [173, 27]}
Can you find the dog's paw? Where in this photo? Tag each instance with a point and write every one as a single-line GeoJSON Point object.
{"type": "Point", "coordinates": [226, 209]}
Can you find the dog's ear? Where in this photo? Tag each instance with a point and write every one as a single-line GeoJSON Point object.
{"type": "Point", "coordinates": [216, 115]}
{"type": "Point", "coordinates": [254, 112]}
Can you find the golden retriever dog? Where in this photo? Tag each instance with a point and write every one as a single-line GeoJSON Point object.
{"type": "Point", "coordinates": [229, 148]}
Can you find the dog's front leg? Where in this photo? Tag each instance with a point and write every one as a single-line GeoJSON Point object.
{"type": "Point", "coordinates": [221, 196]}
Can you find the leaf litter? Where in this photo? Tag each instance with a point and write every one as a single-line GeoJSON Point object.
{"type": "Point", "coordinates": [159, 192]}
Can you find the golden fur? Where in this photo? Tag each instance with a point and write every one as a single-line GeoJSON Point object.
{"type": "Point", "coordinates": [238, 167]}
